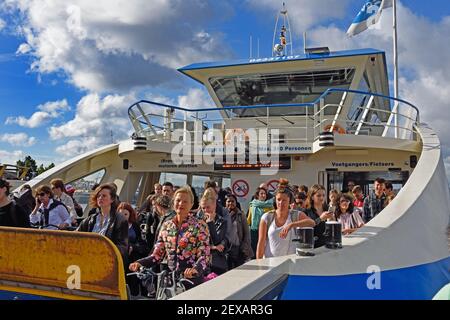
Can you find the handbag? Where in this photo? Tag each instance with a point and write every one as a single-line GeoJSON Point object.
{"type": "Point", "coordinates": [219, 260]}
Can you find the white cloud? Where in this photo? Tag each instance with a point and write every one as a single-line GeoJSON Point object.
{"type": "Point", "coordinates": [96, 117]}
{"type": "Point", "coordinates": [48, 111]}
{"type": "Point", "coordinates": [24, 48]}
{"type": "Point", "coordinates": [11, 157]}
{"type": "Point", "coordinates": [196, 99]}
{"type": "Point", "coordinates": [95, 120]}
{"type": "Point", "coordinates": [18, 139]}
{"type": "Point", "coordinates": [424, 52]}
{"type": "Point", "coordinates": [104, 46]}
{"type": "Point", "coordinates": [304, 14]}
{"type": "Point", "coordinates": [2, 24]}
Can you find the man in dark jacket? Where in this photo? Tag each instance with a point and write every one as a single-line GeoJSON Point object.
{"type": "Point", "coordinates": [374, 202]}
{"type": "Point", "coordinates": [11, 214]}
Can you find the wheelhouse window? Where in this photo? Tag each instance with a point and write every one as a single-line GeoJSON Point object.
{"type": "Point", "coordinates": [288, 88]}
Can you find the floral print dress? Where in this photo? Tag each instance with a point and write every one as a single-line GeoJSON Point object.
{"type": "Point", "coordinates": [192, 251]}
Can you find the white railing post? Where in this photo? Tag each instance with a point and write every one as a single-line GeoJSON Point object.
{"type": "Point", "coordinates": [321, 113]}
{"type": "Point", "coordinates": [149, 124]}
{"type": "Point", "coordinates": [338, 112]}
{"type": "Point", "coordinates": [393, 116]}
{"type": "Point", "coordinates": [364, 115]}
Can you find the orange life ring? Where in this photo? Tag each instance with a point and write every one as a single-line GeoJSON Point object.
{"type": "Point", "coordinates": [231, 133]}
{"type": "Point", "coordinates": [336, 128]}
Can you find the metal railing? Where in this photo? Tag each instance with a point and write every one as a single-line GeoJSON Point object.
{"type": "Point", "coordinates": [302, 122]}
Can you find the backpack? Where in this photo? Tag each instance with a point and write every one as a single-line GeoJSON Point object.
{"type": "Point", "coordinates": [46, 212]}
{"type": "Point", "coordinates": [271, 215]}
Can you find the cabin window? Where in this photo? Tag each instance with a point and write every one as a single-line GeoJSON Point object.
{"type": "Point", "coordinates": [177, 179]}
{"type": "Point", "coordinates": [359, 100]}
{"type": "Point", "coordinates": [288, 88]}
{"type": "Point", "coordinates": [83, 187]}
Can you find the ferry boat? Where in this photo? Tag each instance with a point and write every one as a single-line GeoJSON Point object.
{"type": "Point", "coordinates": [336, 121]}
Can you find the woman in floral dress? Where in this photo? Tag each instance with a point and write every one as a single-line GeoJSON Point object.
{"type": "Point", "coordinates": [183, 242]}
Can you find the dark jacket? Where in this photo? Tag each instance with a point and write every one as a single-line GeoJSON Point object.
{"type": "Point", "coordinates": [243, 233]}
{"type": "Point", "coordinates": [218, 228]}
{"type": "Point", "coordinates": [319, 229]}
{"type": "Point", "coordinates": [154, 225]}
{"type": "Point", "coordinates": [26, 201]}
{"type": "Point", "coordinates": [223, 212]}
{"type": "Point", "coordinates": [139, 247]}
{"type": "Point", "coordinates": [372, 206]}
{"type": "Point", "coordinates": [117, 230]}
{"type": "Point", "coordinates": [13, 215]}
{"type": "Point", "coordinates": [218, 235]}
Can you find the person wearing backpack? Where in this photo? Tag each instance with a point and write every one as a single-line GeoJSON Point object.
{"type": "Point", "coordinates": [276, 230]}
{"type": "Point", "coordinates": [11, 214]}
{"type": "Point", "coordinates": [48, 211]}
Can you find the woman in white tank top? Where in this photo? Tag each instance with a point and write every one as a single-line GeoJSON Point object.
{"type": "Point", "coordinates": [276, 230]}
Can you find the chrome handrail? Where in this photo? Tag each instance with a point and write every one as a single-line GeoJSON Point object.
{"type": "Point", "coordinates": [317, 116]}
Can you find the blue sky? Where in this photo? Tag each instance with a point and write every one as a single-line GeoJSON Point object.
{"type": "Point", "coordinates": [81, 75]}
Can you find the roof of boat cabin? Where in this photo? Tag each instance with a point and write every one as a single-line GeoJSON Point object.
{"type": "Point", "coordinates": [308, 56]}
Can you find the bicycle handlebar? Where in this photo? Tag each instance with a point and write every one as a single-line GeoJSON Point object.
{"type": "Point", "coordinates": [38, 226]}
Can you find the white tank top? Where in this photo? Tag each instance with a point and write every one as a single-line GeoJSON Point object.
{"type": "Point", "coordinates": [275, 246]}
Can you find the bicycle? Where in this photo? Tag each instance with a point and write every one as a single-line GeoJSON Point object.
{"type": "Point", "coordinates": [168, 284]}
{"type": "Point", "coordinates": [41, 226]}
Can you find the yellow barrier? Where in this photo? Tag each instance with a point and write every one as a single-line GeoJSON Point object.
{"type": "Point", "coordinates": [60, 264]}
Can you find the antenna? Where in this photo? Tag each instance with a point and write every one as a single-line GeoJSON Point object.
{"type": "Point", "coordinates": [258, 49]}
{"type": "Point", "coordinates": [281, 48]}
{"type": "Point", "coordinates": [304, 42]}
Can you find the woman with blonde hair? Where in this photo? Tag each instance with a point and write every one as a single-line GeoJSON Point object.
{"type": "Point", "coordinates": [217, 226]}
{"type": "Point", "coordinates": [183, 240]}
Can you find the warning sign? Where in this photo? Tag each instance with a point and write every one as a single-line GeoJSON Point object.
{"type": "Point", "coordinates": [272, 185]}
{"type": "Point", "coordinates": [240, 188]}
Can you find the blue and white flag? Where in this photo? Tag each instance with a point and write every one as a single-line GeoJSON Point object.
{"type": "Point", "coordinates": [369, 15]}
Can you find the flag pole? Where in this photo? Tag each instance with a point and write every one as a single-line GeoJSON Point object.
{"type": "Point", "coordinates": [395, 53]}
{"type": "Point", "coordinates": [394, 11]}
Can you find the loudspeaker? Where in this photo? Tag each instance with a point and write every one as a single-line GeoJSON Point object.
{"type": "Point", "coordinates": [413, 161]}
{"type": "Point", "coordinates": [126, 164]}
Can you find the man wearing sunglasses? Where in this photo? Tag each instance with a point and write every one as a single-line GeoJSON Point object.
{"type": "Point", "coordinates": [52, 214]}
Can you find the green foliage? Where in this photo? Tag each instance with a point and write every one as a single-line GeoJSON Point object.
{"type": "Point", "coordinates": [34, 169]}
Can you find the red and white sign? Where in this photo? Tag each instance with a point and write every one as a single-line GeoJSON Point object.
{"type": "Point", "coordinates": [240, 188]}
{"type": "Point", "coordinates": [272, 185]}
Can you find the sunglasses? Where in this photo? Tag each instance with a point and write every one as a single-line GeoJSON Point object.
{"type": "Point", "coordinates": [344, 201]}
{"type": "Point", "coordinates": [42, 194]}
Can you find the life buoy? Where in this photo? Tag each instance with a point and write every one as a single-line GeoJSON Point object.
{"type": "Point", "coordinates": [231, 133]}
{"type": "Point", "coordinates": [336, 128]}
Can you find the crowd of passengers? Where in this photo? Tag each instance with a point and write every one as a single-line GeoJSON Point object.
{"type": "Point", "coordinates": [199, 238]}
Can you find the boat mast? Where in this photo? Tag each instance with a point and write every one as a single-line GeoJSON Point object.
{"type": "Point", "coordinates": [285, 39]}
